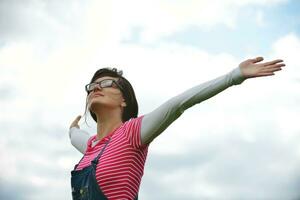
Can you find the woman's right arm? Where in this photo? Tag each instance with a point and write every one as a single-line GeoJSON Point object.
{"type": "Point", "coordinates": [155, 122]}
{"type": "Point", "coordinates": [77, 136]}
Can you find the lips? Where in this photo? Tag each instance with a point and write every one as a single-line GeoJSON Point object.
{"type": "Point", "coordinates": [97, 94]}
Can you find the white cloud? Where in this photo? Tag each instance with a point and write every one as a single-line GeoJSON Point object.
{"type": "Point", "coordinates": [260, 18]}
{"type": "Point", "coordinates": [252, 123]}
{"type": "Point", "coordinates": [235, 113]}
{"type": "Point", "coordinates": [288, 47]}
{"type": "Point", "coordinates": [107, 22]}
{"type": "Point", "coordinates": [161, 18]}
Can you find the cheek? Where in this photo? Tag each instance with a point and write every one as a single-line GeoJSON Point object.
{"type": "Point", "coordinates": [115, 95]}
{"type": "Point", "coordinates": [116, 98]}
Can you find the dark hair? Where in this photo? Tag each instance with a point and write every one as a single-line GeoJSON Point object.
{"type": "Point", "coordinates": [131, 108]}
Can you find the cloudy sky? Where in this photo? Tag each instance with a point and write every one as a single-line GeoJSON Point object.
{"type": "Point", "coordinates": [241, 144]}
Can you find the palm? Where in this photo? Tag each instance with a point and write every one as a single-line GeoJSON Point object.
{"type": "Point", "coordinates": [251, 68]}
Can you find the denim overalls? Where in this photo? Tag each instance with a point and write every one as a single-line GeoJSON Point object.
{"type": "Point", "coordinates": [84, 184]}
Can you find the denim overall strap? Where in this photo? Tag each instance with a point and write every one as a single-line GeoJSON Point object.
{"type": "Point", "coordinates": [98, 156]}
{"type": "Point", "coordinates": [84, 184]}
{"type": "Point", "coordinates": [96, 160]}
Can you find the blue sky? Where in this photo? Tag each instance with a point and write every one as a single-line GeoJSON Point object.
{"type": "Point", "coordinates": [244, 142]}
{"type": "Point", "coordinates": [256, 29]}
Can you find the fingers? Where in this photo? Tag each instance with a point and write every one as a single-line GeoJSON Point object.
{"type": "Point", "coordinates": [273, 62]}
{"type": "Point", "coordinates": [77, 119]}
{"type": "Point", "coordinates": [75, 122]}
{"type": "Point", "coordinates": [272, 68]}
{"type": "Point", "coordinates": [269, 71]}
{"type": "Point", "coordinates": [257, 59]}
{"type": "Point", "coordinates": [266, 71]}
{"type": "Point", "coordinates": [266, 74]}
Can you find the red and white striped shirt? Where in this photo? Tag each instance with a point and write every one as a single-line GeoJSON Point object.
{"type": "Point", "coordinates": [121, 166]}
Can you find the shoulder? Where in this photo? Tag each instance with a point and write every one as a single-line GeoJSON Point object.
{"type": "Point", "coordinates": [132, 131]}
{"type": "Point", "coordinates": [133, 122]}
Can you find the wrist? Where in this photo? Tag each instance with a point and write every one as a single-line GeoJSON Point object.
{"type": "Point", "coordinates": [237, 76]}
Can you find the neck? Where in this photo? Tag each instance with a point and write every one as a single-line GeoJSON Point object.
{"type": "Point", "coordinates": [107, 122]}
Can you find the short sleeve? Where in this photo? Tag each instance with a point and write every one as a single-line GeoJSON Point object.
{"type": "Point", "coordinates": [133, 132]}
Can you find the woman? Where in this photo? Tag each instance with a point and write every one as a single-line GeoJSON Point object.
{"type": "Point", "coordinates": [114, 158]}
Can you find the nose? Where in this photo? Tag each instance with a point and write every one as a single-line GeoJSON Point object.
{"type": "Point", "coordinates": [97, 87]}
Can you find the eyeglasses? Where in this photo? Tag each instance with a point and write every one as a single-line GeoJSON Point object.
{"type": "Point", "coordinates": [102, 84]}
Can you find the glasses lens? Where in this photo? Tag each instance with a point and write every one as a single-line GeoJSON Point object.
{"type": "Point", "coordinates": [89, 87]}
{"type": "Point", "coordinates": [106, 83]}
{"type": "Point", "coordinates": [103, 84]}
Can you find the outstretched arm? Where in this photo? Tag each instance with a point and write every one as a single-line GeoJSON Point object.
{"type": "Point", "coordinates": [158, 120]}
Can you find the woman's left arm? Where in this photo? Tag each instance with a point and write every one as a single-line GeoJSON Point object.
{"type": "Point", "coordinates": [155, 122]}
{"type": "Point", "coordinates": [77, 136]}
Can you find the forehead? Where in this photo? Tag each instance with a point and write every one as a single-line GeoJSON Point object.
{"type": "Point", "coordinates": [104, 78]}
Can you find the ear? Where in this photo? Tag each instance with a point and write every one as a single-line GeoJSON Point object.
{"type": "Point", "coordinates": [123, 104]}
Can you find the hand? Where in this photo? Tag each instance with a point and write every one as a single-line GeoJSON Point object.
{"type": "Point", "coordinates": [251, 68]}
{"type": "Point", "coordinates": [75, 122]}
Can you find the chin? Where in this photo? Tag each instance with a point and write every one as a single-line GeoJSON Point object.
{"type": "Point", "coordinates": [95, 103]}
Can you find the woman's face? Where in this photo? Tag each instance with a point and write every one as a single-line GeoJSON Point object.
{"type": "Point", "coordinates": [109, 97]}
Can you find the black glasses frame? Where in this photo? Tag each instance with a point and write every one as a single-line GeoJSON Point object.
{"type": "Point", "coordinates": [102, 85]}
